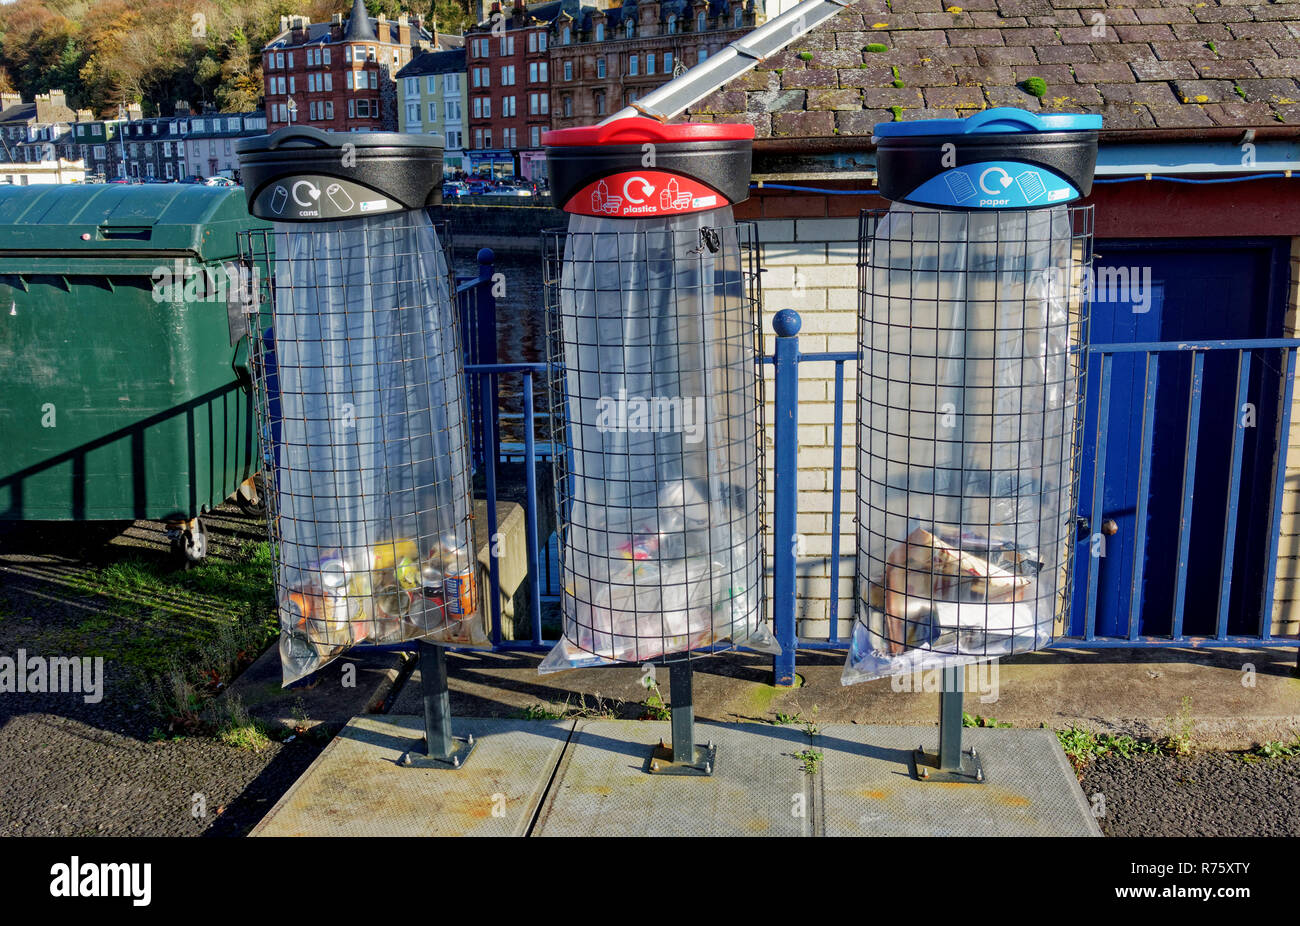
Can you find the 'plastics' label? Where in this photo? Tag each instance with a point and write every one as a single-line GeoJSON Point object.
{"type": "Point", "coordinates": [638, 194]}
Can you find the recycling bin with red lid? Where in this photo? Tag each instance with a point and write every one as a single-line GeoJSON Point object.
{"type": "Point", "coordinates": [656, 395]}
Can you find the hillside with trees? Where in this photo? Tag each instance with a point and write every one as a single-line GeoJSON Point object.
{"type": "Point", "coordinates": [104, 53]}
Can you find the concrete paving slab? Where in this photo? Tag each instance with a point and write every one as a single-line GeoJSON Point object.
{"type": "Point", "coordinates": [602, 789]}
{"type": "Point", "coordinates": [356, 788]}
{"type": "Point", "coordinates": [1239, 697]}
{"type": "Point", "coordinates": [865, 788]}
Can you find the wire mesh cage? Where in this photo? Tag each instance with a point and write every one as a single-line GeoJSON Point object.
{"type": "Point", "coordinates": [971, 334]}
{"type": "Point", "coordinates": [657, 417]}
{"type": "Point", "coordinates": [360, 392]}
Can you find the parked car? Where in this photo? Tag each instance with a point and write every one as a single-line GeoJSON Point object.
{"type": "Point", "coordinates": [454, 190]}
{"type": "Point", "coordinates": [192, 178]}
{"type": "Point", "coordinates": [219, 181]}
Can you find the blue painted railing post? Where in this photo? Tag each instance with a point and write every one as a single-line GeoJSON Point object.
{"type": "Point", "coordinates": [785, 485]}
{"type": "Point", "coordinates": [486, 328]}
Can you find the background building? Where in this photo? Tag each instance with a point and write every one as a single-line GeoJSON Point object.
{"type": "Point", "coordinates": [509, 87]}
{"type": "Point", "coordinates": [434, 98]}
{"type": "Point", "coordinates": [608, 57]}
{"type": "Point", "coordinates": [339, 75]}
{"type": "Point", "coordinates": [209, 142]}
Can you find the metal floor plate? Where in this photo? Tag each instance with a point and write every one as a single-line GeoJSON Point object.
{"type": "Point", "coordinates": [356, 788]}
{"type": "Point", "coordinates": [865, 787]}
{"type": "Point", "coordinates": [602, 789]}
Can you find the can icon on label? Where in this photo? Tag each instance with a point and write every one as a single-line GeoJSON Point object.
{"type": "Point", "coordinates": [339, 197]}
{"type": "Point", "coordinates": [278, 200]}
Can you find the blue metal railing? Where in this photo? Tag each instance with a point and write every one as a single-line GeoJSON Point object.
{"type": "Point", "coordinates": [484, 375]}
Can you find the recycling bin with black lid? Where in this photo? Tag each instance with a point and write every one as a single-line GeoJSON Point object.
{"type": "Point", "coordinates": [654, 338]}
{"type": "Point", "coordinates": [972, 323]}
{"type": "Point", "coordinates": [361, 394]}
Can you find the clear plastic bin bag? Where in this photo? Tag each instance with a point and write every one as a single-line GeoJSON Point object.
{"type": "Point", "coordinates": [967, 431]}
{"type": "Point", "coordinates": [362, 400]}
{"type": "Point", "coordinates": [657, 395]}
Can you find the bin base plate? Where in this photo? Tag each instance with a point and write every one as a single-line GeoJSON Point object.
{"type": "Point", "coordinates": [461, 748]}
{"type": "Point", "coordinates": [660, 761]}
{"type": "Point", "coordinates": [925, 767]}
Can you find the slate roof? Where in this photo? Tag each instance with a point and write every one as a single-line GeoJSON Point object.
{"type": "Point", "coordinates": [434, 62]}
{"type": "Point", "coordinates": [1141, 64]}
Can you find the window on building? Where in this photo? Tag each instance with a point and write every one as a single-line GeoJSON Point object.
{"type": "Point", "coordinates": [431, 83]}
{"type": "Point", "coordinates": [452, 110]}
{"type": "Point", "coordinates": [704, 54]}
{"type": "Point", "coordinates": [600, 102]}
{"type": "Point", "coordinates": [532, 42]}
{"type": "Point", "coordinates": [478, 138]}
{"type": "Point", "coordinates": [451, 84]}
{"type": "Point", "coordinates": [350, 79]}
{"type": "Point", "coordinates": [568, 70]}
{"type": "Point", "coordinates": [487, 107]}
{"type": "Point", "coordinates": [289, 60]}
{"type": "Point", "coordinates": [629, 29]}
{"type": "Point", "coordinates": [329, 109]}
{"type": "Point", "coordinates": [352, 109]}
{"type": "Point", "coordinates": [546, 103]}
{"type": "Point", "coordinates": [487, 138]}
{"type": "Point", "coordinates": [739, 19]}
{"type": "Point", "coordinates": [600, 67]}
{"type": "Point", "coordinates": [701, 22]}
{"type": "Point", "coordinates": [508, 76]}
{"type": "Point", "coordinates": [668, 62]}
{"type": "Point", "coordinates": [672, 23]}
{"type": "Point", "coordinates": [508, 106]}
{"type": "Point", "coordinates": [650, 63]}
{"type": "Point", "coordinates": [292, 84]}
{"type": "Point", "coordinates": [535, 136]}
{"type": "Point", "coordinates": [412, 86]}
{"type": "Point", "coordinates": [370, 53]}
{"type": "Point", "coordinates": [544, 68]}
{"type": "Point", "coordinates": [327, 55]}
{"type": "Point", "coordinates": [413, 113]}
{"type": "Point", "coordinates": [532, 73]}
{"type": "Point", "coordinates": [167, 170]}
{"type": "Point", "coordinates": [347, 53]}
{"type": "Point", "coordinates": [632, 66]}
{"type": "Point", "coordinates": [81, 131]}
{"type": "Point", "coordinates": [453, 139]}
{"type": "Point", "coordinates": [541, 41]}
{"type": "Point", "coordinates": [329, 81]}
{"type": "Point", "coordinates": [567, 35]}
{"type": "Point", "coordinates": [568, 105]}
{"type": "Point", "coordinates": [476, 107]}
{"type": "Point", "coordinates": [279, 60]}
{"type": "Point", "coordinates": [433, 112]}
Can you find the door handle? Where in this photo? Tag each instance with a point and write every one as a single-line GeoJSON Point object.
{"type": "Point", "coordinates": [1109, 527]}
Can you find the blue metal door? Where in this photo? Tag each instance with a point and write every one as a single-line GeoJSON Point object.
{"type": "Point", "coordinates": [1152, 558]}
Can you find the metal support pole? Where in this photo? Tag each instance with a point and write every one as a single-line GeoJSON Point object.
{"type": "Point", "coordinates": [441, 749]}
{"type": "Point", "coordinates": [682, 711]}
{"type": "Point", "coordinates": [786, 324]}
{"type": "Point", "coordinates": [950, 704]}
{"type": "Point", "coordinates": [683, 757]}
{"type": "Point", "coordinates": [950, 763]}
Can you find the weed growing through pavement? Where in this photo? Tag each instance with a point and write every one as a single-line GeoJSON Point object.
{"type": "Point", "coordinates": [1178, 741]}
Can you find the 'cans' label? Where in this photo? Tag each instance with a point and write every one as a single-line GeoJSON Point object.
{"type": "Point", "coordinates": [638, 194]}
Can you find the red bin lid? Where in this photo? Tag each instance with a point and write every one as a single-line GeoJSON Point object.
{"type": "Point", "coordinates": [637, 130]}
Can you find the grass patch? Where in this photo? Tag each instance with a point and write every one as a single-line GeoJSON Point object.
{"type": "Point", "coordinates": [876, 48]}
{"type": "Point", "coordinates": [1082, 746]}
{"type": "Point", "coordinates": [1178, 739]}
{"type": "Point", "coordinates": [236, 729]}
{"type": "Point", "coordinates": [809, 760]}
{"type": "Point", "coordinates": [976, 720]}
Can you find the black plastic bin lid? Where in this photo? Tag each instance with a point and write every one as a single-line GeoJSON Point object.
{"type": "Point", "coordinates": [637, 168]}
{"type": "Point", "coordinates": [302, 174]}
{"type": "Point", "coordinates": [1002, 158]}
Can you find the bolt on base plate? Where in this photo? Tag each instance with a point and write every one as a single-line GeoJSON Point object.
{"type": "Point", "coordinates": [925, 767]}
{"type": "Point", "coordinates": [461, 747]}
{"type": "Point", "coordinates": [661, 761]}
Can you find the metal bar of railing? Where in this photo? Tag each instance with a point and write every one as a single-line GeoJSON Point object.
{"type": "Point", "coordinates": [1100, 448]}
{"type": "Point", "coordinates": [1152, 381]}
{"type": "Point", "coordinates": [530, 520]}
{"type": "Point", "coordinates": [1189, 488]}
{"type": "Point", "coordinates": [837, 467]}
{"type": "Point", "coordinates": [1234, 491]}
{"type": "Point", "coordinates": [1279, 490]}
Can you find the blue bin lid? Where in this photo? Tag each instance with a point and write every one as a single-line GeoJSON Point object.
{"type": "Point", "coordinates": [1000, 120]}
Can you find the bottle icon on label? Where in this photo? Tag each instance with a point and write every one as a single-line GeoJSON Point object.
{"type": "Point", "coordinates": [278, 199]}
{"type": "Point", "coordinates": [598, 196]}
{"type": "Point", "coordinates": [339, 197]}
